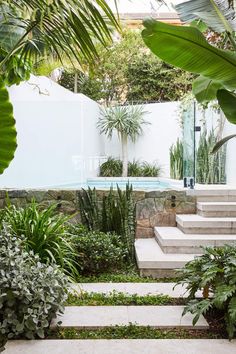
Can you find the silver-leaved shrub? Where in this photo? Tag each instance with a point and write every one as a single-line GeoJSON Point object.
{"type": "Point", "coordinates": [31, 293]}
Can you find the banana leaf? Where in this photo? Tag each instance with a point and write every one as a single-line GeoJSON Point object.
{"type": "Point", "coordinates": [219, 15]}
{"type": "Point", "coordinates": [7, 129]}
{"type": "Point", "coordinates": [222, 142]}
{"type": "Point", "coordinates": [205, 89]}
{"type": "Point", "coordinates": [227, 102]}
{"type": "Point", "coordinates": [186, 48]}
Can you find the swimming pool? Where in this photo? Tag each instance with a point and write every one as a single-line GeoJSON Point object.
{"type": "Point", "coordinates": [138, 183]}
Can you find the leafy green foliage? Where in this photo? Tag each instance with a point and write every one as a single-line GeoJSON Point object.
{"type": "Point", "coordinates": [114, 212]}
{"type": "Point", "coordinates": [215, 274]}
{"type": "Point", "coordinates": [31, 293]}
{"type": "Point", "coordinates": [46, 234]}
{"type": "Point", "coordinates": [113, 168]}
{"type": "Point", "coordinates": [210, 169]}
{"type": "Point", "coordinates": [127, 72]}
{"type": "Point", "coordinates": [187, 48]}
{"type": "Point", "coordinates": [176, 160]}
{"type": "Point", "coordinates": [98, 251]}
{"type": "Point", "coordinates": [116, 299]}
{"type": "Point", "coordinates": [7, 129]}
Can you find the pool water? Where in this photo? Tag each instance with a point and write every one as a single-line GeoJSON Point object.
{"type": "Point", "coordinates": [137, 183]}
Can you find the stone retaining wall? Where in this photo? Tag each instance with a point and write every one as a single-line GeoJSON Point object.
{"type": "Point", "coordinates": [157, 208]}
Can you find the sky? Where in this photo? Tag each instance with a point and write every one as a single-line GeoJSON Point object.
{"type": "Point", "coordinates": [135, 6]}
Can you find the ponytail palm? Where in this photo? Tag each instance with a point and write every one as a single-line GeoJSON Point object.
{"type": "Point", "coordinates": [127, 121]}
{"type": "Point", "coordinates": [29, 28]}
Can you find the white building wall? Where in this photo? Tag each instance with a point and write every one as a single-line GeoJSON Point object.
{"type": "Point", "coordinates": [53, 137]}
{"type": "Point", "coordinates": [154, 144]}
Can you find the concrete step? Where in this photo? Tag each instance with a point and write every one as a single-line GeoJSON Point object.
{"type": "Point", "coordinates": [125, 346]}
{"type": "Point", "coordinates": [197, 224]}
{"type": "Point", "coordinates": [107, 316]}
{"type": "Point", "coordinates": [152, 261]}
{"type": "Point", "coordinates": [217, 209]}
{"type": "Point", "coordinates": [214, 193]}
{"type": "Point", "coordinates": [173, 240]}
{"type": "Point", "coordinates": [142, 289]}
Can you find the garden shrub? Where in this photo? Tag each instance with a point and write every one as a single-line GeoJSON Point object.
{"type": "Point", "coordinates": [99, 251]}
{"type": "Point", "coordinates": [215, 274]}
{"type": "Point", "coordinates": [31, 293]}
{"type": "Point", "coordinates": [46, 234]}
{"type": "Point", "coordinates": [113, 168]}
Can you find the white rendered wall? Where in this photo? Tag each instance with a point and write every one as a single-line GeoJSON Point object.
{"type": "Point", "coordinates": [154, 144]}
{"type": "Point", "coordinates": [52, 140]}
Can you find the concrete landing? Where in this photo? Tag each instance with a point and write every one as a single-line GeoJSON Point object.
{"type": "Point", "coordinates": [122, 346]}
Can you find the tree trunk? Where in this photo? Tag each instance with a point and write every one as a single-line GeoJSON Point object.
{"type": "Point", "coordinates": [124, 142]}
{"type": "Point", "coordinates": [76, 83]}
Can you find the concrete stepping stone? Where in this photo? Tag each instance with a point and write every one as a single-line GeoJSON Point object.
{"type": "Point", "coordinates": [122, 346]}
{"type": "Point", "coordinates": [106, 316]}
{"type": "Point", "coordinates": [141, 289]}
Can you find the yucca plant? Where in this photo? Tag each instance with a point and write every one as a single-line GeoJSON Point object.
{"type": "Point", "coordinates": [176, 160]}
{"type": "Point", "coordinates": [45, 233]}
{"type": "Point", "coordinates": [128, 123]}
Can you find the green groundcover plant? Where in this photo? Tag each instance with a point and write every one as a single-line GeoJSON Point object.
{"type": "Point", "coordinates": [215, 274]}
{"type": "Point", "coordinates": [31, 293]}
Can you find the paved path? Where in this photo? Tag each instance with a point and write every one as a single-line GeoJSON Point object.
{"type": "Point", "coordinates": [105, 316]}
{"type": "Point", "coordinates": [133, 346]}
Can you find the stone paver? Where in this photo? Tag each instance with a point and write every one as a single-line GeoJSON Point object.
{"type": "Point", "coordinates": [105, 316]}
{"type": "Point", "coordinates": [141, 289]}
{"type": "Point", "coordinates": [133, 346]}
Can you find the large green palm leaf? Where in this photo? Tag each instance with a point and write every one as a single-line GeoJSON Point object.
{"type": "Point", "coordinates": [72, 27]}
{"type": "Point", "coordinates": [217, 14]}
{"type": "Point", "coordinates": [186, 48]}
{"type": "Point", "coordinates": [7, 129]}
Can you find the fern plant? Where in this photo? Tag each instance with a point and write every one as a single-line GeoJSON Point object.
{"type": "Point", "coordinates": [214, 273]}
